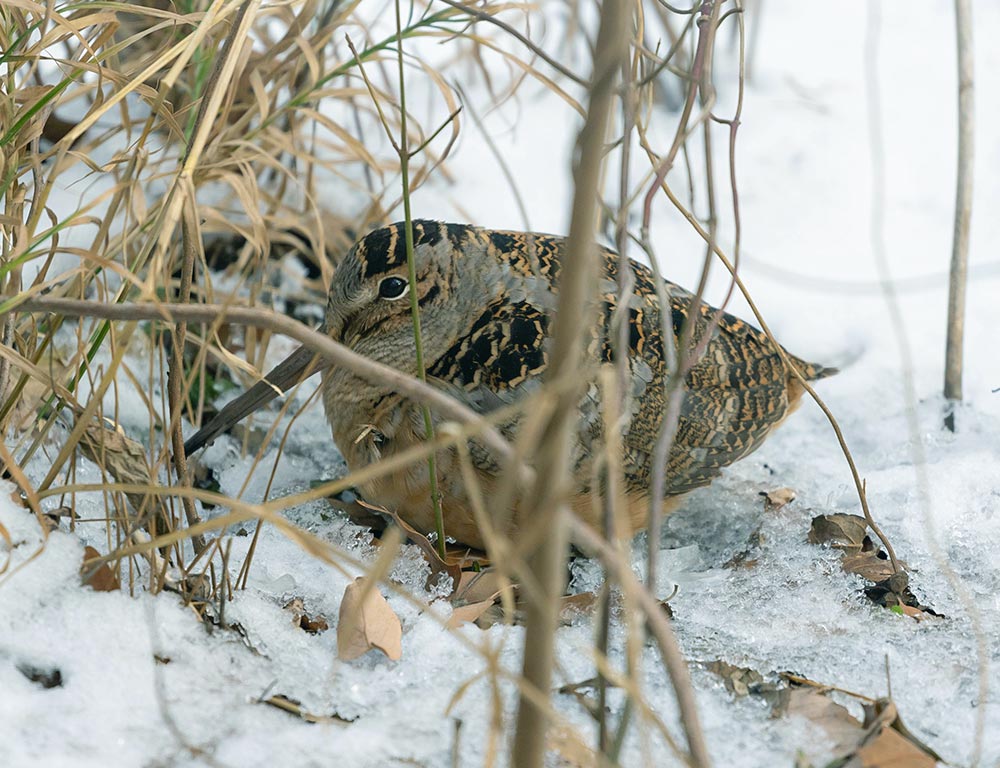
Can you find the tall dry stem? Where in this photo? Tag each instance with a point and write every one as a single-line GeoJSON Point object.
{"type": "Point", "coordinates": [958, 277]}
{"type": "Point", "coordinates": [575, 319]}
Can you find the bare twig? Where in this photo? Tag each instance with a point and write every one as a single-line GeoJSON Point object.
{"type": "Point", "coordinates": [963, 213]}
{"type": "Point", "coordinates": [572, 325]}
{"type": "Point", "coordinates": [411, 267]}
{"type": "Point", "coordinates": [616, 403]}
{"type": "Point", "coordinates": [531, 46]}
{"type": "Point", "coordinates": [680, 356]}
{"type": "Point", "coordinates": [673, 658]}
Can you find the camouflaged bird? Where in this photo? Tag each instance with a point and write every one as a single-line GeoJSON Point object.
{"type": "Point", "coordinates": [486, 301]}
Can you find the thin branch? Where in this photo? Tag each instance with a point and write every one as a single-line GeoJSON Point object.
{"type": "Point", "coordinates": [323, 345]}
{"type": "Point", "coordinates": [574, 321]}
{"type": "Point", "coordinates": [680, 356]}
{"type": "Point", "coordinates": [963, 212]}
{"type": "Point", "coordinates": [533, 47]}
{"type": "Point", "coordinates": [670, 652]}
{"type": "Point", "coordinates": [411, 267]}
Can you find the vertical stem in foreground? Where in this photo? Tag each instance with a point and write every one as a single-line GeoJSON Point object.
{"type": "Point", "coordinates": [575, 317]}
{"type": "Point", "coordinates": [963, 214]}
{"type": "Point", "coordinates": [404, 172]}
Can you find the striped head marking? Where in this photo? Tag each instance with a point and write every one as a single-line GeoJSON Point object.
{"type": "Point", "coordinates": [369, 303]}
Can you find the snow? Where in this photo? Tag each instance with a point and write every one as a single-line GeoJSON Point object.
{"type": "Point", "coordinates": [805, 181]}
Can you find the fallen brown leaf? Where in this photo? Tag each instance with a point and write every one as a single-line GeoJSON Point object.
{"type": "Point", "coordinates": [777, 498]}
{"type": "Point", "coordinates": [465, 614]}
{"type": "Point", "coordinates": [300, 618]}
{"type": "Point", "coordinates": [863, 557]}
{"type": "Point", "coordinates": [840, 531]}
{"type": "Point", "coordinates": [738, 680]}
{"type": "Point", "coordinates": [476, 586]}
{"type": "Point", "coordinates": [572, 606]}
{"type": "Point", "coordinates": [890, 749]}
{"type": "Point", "coordinates": [360, 514]}
{"type": "Point", "coordinates": [868, 565]}
{"type": "Point", "coordinates": [843, 729]}
{"type": "Point", "coordinates": [46, 677]}
{"type": "Point", "coordinates": [881, 741]}
{"type": "Point", "coordinates": [428, 550]}
{"type": "Point", "coordinates": [366, 621]}
{"type": "Point", "coordinates": [101, 578]}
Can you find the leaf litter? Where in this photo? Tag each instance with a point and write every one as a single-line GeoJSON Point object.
{"type": "Point", "coordinates": [881, 740]}
{"type": "Point", "coordinates": [861, 556]}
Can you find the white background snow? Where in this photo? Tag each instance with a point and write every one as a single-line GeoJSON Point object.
{"type": "Point", "coordinates": [805, 185]}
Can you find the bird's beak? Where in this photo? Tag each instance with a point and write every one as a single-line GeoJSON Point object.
{"type": "Point", "coordinates": [295, 368]}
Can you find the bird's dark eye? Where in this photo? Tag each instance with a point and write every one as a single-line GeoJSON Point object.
{"type": "Point", "coordinates": [393, 288]}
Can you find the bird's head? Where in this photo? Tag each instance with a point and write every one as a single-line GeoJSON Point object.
{"type": "Point", "coordinates": [369, 308]}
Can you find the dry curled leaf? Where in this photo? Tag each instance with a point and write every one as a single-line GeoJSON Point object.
{"type": "Point", "coordinates": [572, 606]}
{"type": "Point", "coordinates": [777, 498]}
{"type": "Point", "coordinates": [46, 677]}
{"type": "Point", "coordinates": [873, 566]}
{"type": "Point", "coordinates": [739, 681]}
{"type": "Point", "coordinates": [840, 531]}
{"type": "Point", "coordinates": [863, 557]}
{"type": "Point", "coordinates": [841, 727]}
{"type": "Point", "coordinates": [881, 741]}
{"type": "Point", "coordinates": [428, 550]}
{"type": "Point", "coordinates": [300, 618]}
{"type": "Point", "coordinates": [476, 586]}
{"type": "Point", "coordinates": [475, 595]}
{"type": "Point", "coordinates": [887, 743]}
{"type": "Point", "coordinates": [100, 578]}
{"type": "Point", "coordinates": [745, 681]}
{"type": "Point", "coordinates": [470, 613]}
{"type": "Point", "coordinates": [889, 749]}
{"type": "Point", "coordinates": [366, 621]}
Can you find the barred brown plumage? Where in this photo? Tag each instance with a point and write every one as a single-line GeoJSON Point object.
{"type": "Point", "coordinates": [486, 302]}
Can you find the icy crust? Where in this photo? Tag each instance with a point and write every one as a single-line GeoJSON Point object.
{"type": "Point", "coordinates": [794, 610]}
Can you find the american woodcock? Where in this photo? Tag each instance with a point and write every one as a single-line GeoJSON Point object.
{"type": "Point", "coordinates": [486, 300]}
